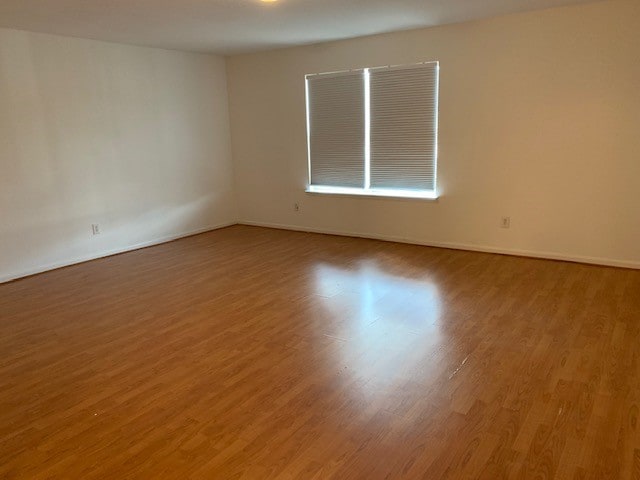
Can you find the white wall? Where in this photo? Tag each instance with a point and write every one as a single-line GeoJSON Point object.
{"type": "Point", "coordinates": [135, 139]}
{"type": "Point", "coordinates": [540, 119]}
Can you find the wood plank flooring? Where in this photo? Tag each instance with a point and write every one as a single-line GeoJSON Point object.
{"type": "Point", "coordinates": [250, 353]}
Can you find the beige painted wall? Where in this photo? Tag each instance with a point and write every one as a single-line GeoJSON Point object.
{"type": "Point", "coordinates": [539, 121]}
{"type": "Point", "coordinates": [135, 139]}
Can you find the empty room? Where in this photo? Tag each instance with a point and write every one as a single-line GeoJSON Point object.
{"type": "Point", "coordinates": [298, 239]}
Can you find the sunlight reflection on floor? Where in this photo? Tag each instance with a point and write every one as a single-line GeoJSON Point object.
{"type": "Point", "coordinates": [386, 324]}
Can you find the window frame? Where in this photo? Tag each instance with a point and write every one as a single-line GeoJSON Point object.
{"type": "Point", "coordinates": [367, 190]}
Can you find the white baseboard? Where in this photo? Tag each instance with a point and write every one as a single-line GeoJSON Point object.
{"type": "Point", "coordinates": [609, 262]}
{"type": "Point", "coordinates": [388, 238]}
{"type": "Point", "coordinates": [66, 263]}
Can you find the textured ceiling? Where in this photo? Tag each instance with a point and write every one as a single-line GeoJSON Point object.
{"type": "Point", "coordinates": [235, 26]}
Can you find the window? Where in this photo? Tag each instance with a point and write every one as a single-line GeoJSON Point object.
{"type": "Point", "coordinates": [374, 131]}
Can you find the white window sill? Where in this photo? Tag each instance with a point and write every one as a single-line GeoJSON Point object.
{"type": "Point", "coordinates": [372, 192]}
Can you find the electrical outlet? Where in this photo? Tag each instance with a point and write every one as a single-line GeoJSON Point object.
{"type": "Point", "coordinates": [505, 222]}
{"type": "Point", "coordinates": [95, 229]}
{"type": "Point", "coordinates": [296, 207]}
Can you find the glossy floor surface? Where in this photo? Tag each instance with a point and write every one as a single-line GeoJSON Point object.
{"type": "Point", "coordinates": [254, 353]}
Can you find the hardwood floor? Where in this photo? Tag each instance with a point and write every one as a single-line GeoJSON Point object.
{"type": "Point", "coordinates": [254, 353]}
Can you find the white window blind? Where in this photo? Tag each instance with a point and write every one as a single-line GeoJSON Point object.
{"type": "Point", "coordinates": [403, 127]}
{"type": "Point", "coordinates": [336, 125]}
{"type": "Point", "coordinates": [374, 131]}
